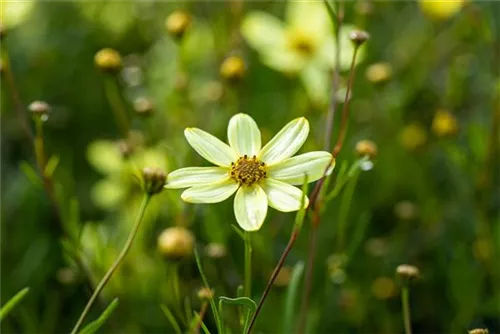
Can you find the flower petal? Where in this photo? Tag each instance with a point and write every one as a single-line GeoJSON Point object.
{"type": "Point", "coordinates": [316, 82]}
{"type": "Point", "coordinates": [210, 193]}
{"type": "Point", "coordinates": [310, 17]}
{"type": "Point", "coordinates": [287, 142]}
{"type": "Point", "coordinates": [263, 31]}
{"type": "Point", "coordinates": [244, 135]}
{"type": "Point", "coordinates": [195, 176]}
{"type": "Point", "coordinates": [282, 196]}
{"type": "Point", "coordinates": [293, 170]}
{"type": "Point", "coordinates": [250, 207]}
{"type": "Point", "coordinates": [210, 147]}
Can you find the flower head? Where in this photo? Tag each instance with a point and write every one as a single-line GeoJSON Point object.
{"type": "Point", "coordinates": [260, 176]}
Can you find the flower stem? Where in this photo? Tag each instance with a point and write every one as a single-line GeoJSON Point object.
{"type": "Point", "coordinates": [248, 265]}
{"type": "Point", "coordinates": [203, 310]}
{"type": "Point", "coordinates": [275, 273]}
{"type": "Point", "coordinates": [405, 300]}
{"type": "Point", "coordinates": [117, 105]}
{"type": "Point", "coordinates": [114, 266]}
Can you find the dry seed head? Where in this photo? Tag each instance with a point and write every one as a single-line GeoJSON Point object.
{"type": "Point", "coordinates": [479, 331]}
{"type": "Point", "coordinates": [176, 243]}
{"type": "Point", "coordinates": [154, 180]}
{"type": "Point", "coordinates": [407, 271]}
{"type": "Point", "coordinates": [366, 148]}
{"type": "Point", "coordinates": [177, 23]}
{"type": "Point", "coordinates": [143, 106]}
{"type": "Point", "coordinates": [358, 37]}
{"type": "Point", "coordinates": [39, 109]}
{"type": "Point", "coordinates": [108, 60]}
{"type": "Point", "coordinates": [205, 294]}
{"type": "Point", "coordinates": [233, 68]}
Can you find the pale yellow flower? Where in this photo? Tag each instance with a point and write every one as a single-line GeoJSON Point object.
{"type": "Point", "coordinates": [260, 176]}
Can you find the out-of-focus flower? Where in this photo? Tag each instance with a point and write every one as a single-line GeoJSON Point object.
{"type": "Point", "coordinates": [143, 106]}
{"type": "Point", "coordinates": [108, 60]}
{"type": "Point", "coordinates": [405, 210]}
{"type": "Point", "coordinates": [413, 136]}
{"type": "Point", "coordinates": [215, 250]}
{"type": "Point", "coordinates": [153, 180]}
{"type": "Point", "coordinates": [260, 176]}
{"type": "Point", "coordinates": [176, 243]}
{"type": "Point", "coordinates": [177, 24]}
{"type": "Point", "coordinates": [379, 72]}
{"type": "Point", "coordinates": [205, 294]}
{"type": "Point", "coordinates": [479, 331]}
{"type": "Point", "coordinates": [39, 108]}
{"type": "Point", "coordinates": [440, 9]}
{"type": "Point", "coordinates": [376, 247]}
{"type": "Point", "coordinates": [407, 271]}
{"type": "Point", "coordinates": [303, 44]}
{"type": "Point", "coordinates": [233, 68]}
{"type": "Point", "coordinates": [444, 124]}
{"type": "Point", "coordinates": [383, 288]}
{"type": "Point", "coordinates": [366, 148]}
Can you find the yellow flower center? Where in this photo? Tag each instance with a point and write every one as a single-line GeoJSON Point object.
{"type": "Point", "coordinates": [247, 171]}
{"type": "Point", "coordinates": [301, 42]}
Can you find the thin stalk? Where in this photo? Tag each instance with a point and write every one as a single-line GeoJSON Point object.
{"type": "Point", "coordinates": [199, 321]}
{"type": "Point", "coordinates": [117, 105]}
{"type": "Point", "coordinates": [118, 261]}
{"type": "Point", "coordinates": [248, 265]}
{"type": "Point", "coordinates": [275, 273]}
{"type": "Point", "coordinates": [14, 92]}
{"type": "Point", "coordinates": [405, 300]}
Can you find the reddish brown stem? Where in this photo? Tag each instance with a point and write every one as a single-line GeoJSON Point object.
{"type": "Point", "coordinates": [203, 310]}
{"type": "Point", "coordinates": [275, 273]}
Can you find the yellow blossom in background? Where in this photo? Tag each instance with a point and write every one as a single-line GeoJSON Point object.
{"type": "Point", "coordinates": [444, 124]}
{"type": "Point", "coordinates": [413, 136]}
{"type": "Point", "coordinates": [440, 10]}
{"type": "Point", "coordinates": [383, 288]}
{"type": "Point", "coordinates": [378, 72]}
{"type": "Point", "coordinates": [302, 44]}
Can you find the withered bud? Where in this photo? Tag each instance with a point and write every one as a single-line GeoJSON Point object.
{"type": "Point", "coordinates": [215, 250]}
{"type": "Point", "coordinates": [154, 180]}
{"type": "Point", "coordinates": [177, 24]}
{"type": "Point", "coordinates": [358, 37]}
{"type": "Point", "coordinates": [366, 147]}
{"type": "Point", "coordinates": [176, 243]}
{"type": "Point", "coordinates": [479, 331]}
{"type": "Point", "coordinates": [108, 60]}
{"type": "Point", "coordinates": [233, 68]}
{"type": "Point", "coordinates": [39, 109]}
{"type": "Point", "coordinates": [143, 106]}
{"type": "Point", "coordinates": [407, 271]}
{"type": "Point", "coordinates": [205, 294]}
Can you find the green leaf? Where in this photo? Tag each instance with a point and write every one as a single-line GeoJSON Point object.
{"type": "Point", "coordinates": [18, 297]}
{"type": "Point", "coordinates": [238, 231]}
{"type": "Point", "coordinates": [96, 324]}
{"type": "Point", "coordinates": [171, 319]}
{"type": "Point", "coordinates": [31, 174]}
{"type": "Point", "coordinates": [240, 301]}
{"type": "Point", "coordinates": [51, 166]}
{"type": "Point", "coordinates": [291, 297]}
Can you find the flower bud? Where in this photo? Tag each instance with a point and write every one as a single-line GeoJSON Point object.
{"type": "Point", "coordinates": [215, 250]}
{"type": "Point", "coordinates": [154, 180]}
{"type": "Point", "coordinates": [177, 23]}
{"type": "Point", "coordinates": [143, 106]}
{"type": "Point", "coordinates": [233, 68]}
{"type": "Point", "coordinates": [205, 294]}
{"type": "Point", "coordinates": [366, 148]}
{"type": "Point", "coordinates": [407, 271]}
{"type": "Point", "coordinates": [479, 331]}
{"type": "Point", "coordinates": [39, 109]}
{"type": "Point", "coordinates": [444, 124]}
{"type": "Point", "coordinates": [176, 243]}
{"type": "Point", "coordinates": [379, 72]}
{"type": "Point", "coordinates": [108, 60]}
{"type": "Point", "coordinates": [358, 37]}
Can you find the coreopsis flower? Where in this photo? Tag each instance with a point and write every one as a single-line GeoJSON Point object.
{"type": "Point", "coordinates": [303, 44]}
{"type": "Point", "coordinates": [260, 176]}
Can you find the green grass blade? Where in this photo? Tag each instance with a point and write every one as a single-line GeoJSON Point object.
{"type": "Point", "coordinates": [291, 297]}
{"type": "Point", "coordinates": [171, 318]}
{"type": "Point", "coordinates": [13, 302]}
{"type": "Point", "coordinates": [96, 324]}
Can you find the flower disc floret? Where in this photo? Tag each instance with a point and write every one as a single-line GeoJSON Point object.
{"type": "Point", "coordinates": [247, 171]}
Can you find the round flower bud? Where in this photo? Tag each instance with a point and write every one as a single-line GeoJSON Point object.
{"type": "Point", "coordinates": [177, 23]}
{"type": "Point", "coordinates": [154, 179]}
{"type": "Point", "coordinates": [39, 109]}
{"type": "Point", "coordinates": [358, 37]}
{"type": "Point", "coordinates": [215, 250]}
{"type": "Point", "coordinates": [176, 243]}
{"type": "Point", "coordinates": [366, 148]}
{"type": "Point", "coordinates": [479, 331]}
{"type": "Point", "coordinates": [379, 72]}
{"type": "Point", "coordinates": [108, 60]}
{"type": "Point", "coordinates": [233, 68]}
{"type": "Point", "coordinates": [407, 271]}
{"type": "Point", "coordinates": [444, 124]}
{"type": "Point", "coordinates": [205, 294]}
{"type": "Point", "coordinates": [143, 106]}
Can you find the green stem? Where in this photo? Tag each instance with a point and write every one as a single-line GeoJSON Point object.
{"type": "Point", "coordinates": [117, 106]}
{"type": "Point", "coordinates": [248, 265]}
{"type": "Point", "coordinates": [345, 204]}
{"type": "Point", "coordinates": [405, 300]}
{"type": "Point", "coordinates": [119, 259]}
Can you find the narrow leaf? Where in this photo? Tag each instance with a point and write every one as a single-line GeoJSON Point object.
{"type": "Point", "coordinates": [51, 166]}
{"type": "Point", "coordinates": [13, 302]}
{"type": "Point", "coordinates": [171, 319]}
{"type": "Point", "coordinates": [200, 321]}
{"type": "Point", "coordinates": [96, 324]}
{"type": "Point", "coordinates": [291, 297]}
{"type": "Point", "coordinates": [31, 174]}
{"type": "Point", "coordinates": [240, 301]}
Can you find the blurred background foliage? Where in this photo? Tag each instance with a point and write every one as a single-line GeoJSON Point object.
{"type": "Point", "coordinates": [426, 92]}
